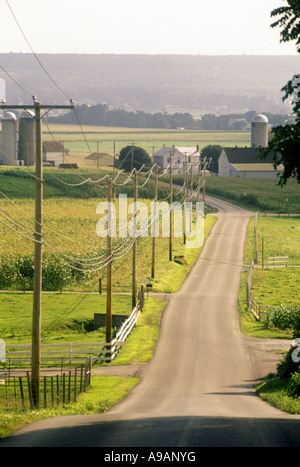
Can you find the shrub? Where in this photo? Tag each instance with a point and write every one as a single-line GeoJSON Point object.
{"type": "Point", "coordinates": [294, 385]}
{"type": "Point", "coordinates": [286, 367]}
{"type": "Point", "coordinates": [284, 318]}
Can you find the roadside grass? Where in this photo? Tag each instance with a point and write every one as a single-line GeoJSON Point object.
{"type": "Point", "coordinates": [272, 287]}
{"type": "Point", "coordinates": [274, 392]}
{"type": "Point", "coordinates": [104, 393]}
{"type": "Point", "coordinates": [250, 326]}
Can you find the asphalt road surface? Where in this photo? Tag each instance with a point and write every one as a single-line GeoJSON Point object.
{"type": "Point", "coordinates": [198, 390]}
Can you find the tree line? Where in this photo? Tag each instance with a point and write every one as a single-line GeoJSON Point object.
{"type": "Point", "coordinates": [102, 115]}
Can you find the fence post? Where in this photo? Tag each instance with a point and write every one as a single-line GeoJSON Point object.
{"type": "Point", "coordinates": [69, 388]}
{"type": "Point", "coordinates": [52, 391]}
{"type": "Point", "coordinates": [57, 388]}
{"type": "Point", "coordinates": [21, 390]}
{"type": "Point", "coordinates": [64, 387]}
{"type": "Point", "coordinates": [75, 383]}
{"type": "Point", "coordinates": [29, 390]}
{"type": "Point", "coordinates": [45, 391]}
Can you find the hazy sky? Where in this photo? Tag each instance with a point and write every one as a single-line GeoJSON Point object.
{"type": "Point", "coordinates": [205, 27]}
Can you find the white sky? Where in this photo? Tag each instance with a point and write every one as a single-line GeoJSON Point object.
{"type": "Point", "coordinates": [205, 27]}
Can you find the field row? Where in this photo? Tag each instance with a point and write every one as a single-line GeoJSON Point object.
{"type": "Point", "coordinates": [111, 140]}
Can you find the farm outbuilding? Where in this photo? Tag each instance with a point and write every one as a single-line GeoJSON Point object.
{"type": "Point", "coordinates": [53, 153]}
{"type": "Point", "coordinates": [245, 162]}
{"type": "Point", "coordinates": [99, 159]}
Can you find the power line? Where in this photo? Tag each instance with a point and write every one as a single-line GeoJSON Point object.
{"type": "Point", "coordinates": [35, 55]}
{"type": "Point", "coordinates": [15, 81]}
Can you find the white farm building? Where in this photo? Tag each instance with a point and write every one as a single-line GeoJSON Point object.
{"type": "Point", "coordinates": [176, 156]}
{"type": "Point", "coordinates": [245, 162]}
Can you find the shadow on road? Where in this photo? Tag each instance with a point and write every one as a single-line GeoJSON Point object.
{"type": "Point", "coordinates": [172, 432]}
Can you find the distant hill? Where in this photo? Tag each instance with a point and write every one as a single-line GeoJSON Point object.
{"type": "Point", "coordinates": [154, 82]}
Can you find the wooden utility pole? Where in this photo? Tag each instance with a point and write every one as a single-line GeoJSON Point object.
{"type": "Point", "coordinates": [171, 214]}
{"type": "Point", "coordinates": [134, 249]}
{"type": "Point", "coordinates": [37, 285]}
{"type": "Point", "coordinates": [184, 199]}
{"type": "Point", "coordinates": [132, 153]}
{"type": "Point", "coordinates": [38, 226]}
{"type": "Point", "coordinates": [191, 197]}
{"type": "Point", "coordinates": [204, 175]}
{"type": "Point", "coordinates": [154, 224]}
{"type": "Point", "coordinates": [109, 266]}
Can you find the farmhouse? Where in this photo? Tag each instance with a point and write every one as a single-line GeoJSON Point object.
{"type": "Point", "coordinates": [176, 155]}
{"type": "Point", "coordinates": [99, 159]}
{"type": "Point", "coordinates": [245, 162]}
{"type": "Point", "coordinates": [53, 153]}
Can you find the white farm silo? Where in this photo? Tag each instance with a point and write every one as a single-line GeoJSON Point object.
{"type": "Point", "coordinates": [259, 131]}
{"type": "Point", "coordinates": [8, 154]}
{"type": "Point", "coordinates": [27, 138]}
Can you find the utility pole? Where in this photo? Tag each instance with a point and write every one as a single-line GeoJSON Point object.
{"type": "Point", "coordinates": [171, 214]}
{"type": "Point", "coordinates": [132, 153]}
{"type": "Point", "coordinates": [184, 198]}
{"type": "Point", "coordinates": [109, 267]}
{"type": "Point", "coordinates": [154, 224]}
{"type": "Point", "coordinates": [191, 197]}
{"type": "Point", "coordinates": [134, 249]}
{"type": "Point", "coordinates": [204, 175]}
{"type": "Point", "coordinates": [37, 284]}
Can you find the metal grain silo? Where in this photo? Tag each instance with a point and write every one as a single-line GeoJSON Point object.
{"type": "Point", "coordinates": [8, 155]}
{"type": "Point", "coordinates": [27, 138]}
{"type": "Point", "coordinates": [259, 131]}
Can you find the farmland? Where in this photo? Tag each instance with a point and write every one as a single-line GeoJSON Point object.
{"type": "Point", "coordinates": [109, 140]}
{"type": "Point", "coordinates": [272, 287]}
{"type": "Point", "coordinates": [263, 195]}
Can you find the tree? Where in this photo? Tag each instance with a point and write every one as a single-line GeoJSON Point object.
{"type": "Point", "coordinates": [285, 143]}
{"type": "Point", "coordinates": [134, 157]}
{"type": "Point", "coordinates": [212, 151]}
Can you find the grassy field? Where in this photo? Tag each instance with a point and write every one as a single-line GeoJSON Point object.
{"type": "Point", "coordinates": [280, 237]}
{"type": "Point", "coordinates": [273, 287]}
{"type": "Point", "coordinates": [263, 195]}
{"type": "Point", "coordinates": [109, 139]}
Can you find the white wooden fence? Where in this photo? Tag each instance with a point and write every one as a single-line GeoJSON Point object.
{"type": "Point", "coordinates": [277, 261]}
{"type": "Point", "coordinates": [67, 353]}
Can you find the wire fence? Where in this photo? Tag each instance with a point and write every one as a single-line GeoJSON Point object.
{"type": "Point", "coordinates": [55, 387]}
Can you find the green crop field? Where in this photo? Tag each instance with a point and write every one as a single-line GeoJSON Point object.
{"type": "Point", "coordinates": [109, 140]}
{"type": "Point", "coordinates": [257, 194]}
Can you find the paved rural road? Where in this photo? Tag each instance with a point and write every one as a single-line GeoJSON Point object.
{"type": "Point", "coordinates": [198, 389]}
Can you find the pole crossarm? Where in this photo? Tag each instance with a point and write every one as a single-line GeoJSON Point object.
{"type": "Point", "coordinates": [42, 106]}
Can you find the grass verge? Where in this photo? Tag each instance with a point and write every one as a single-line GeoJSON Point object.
{"type": "Point", "coordinates": [104, 393]}
{"type": "Point", "coordinates": [274, 391]}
